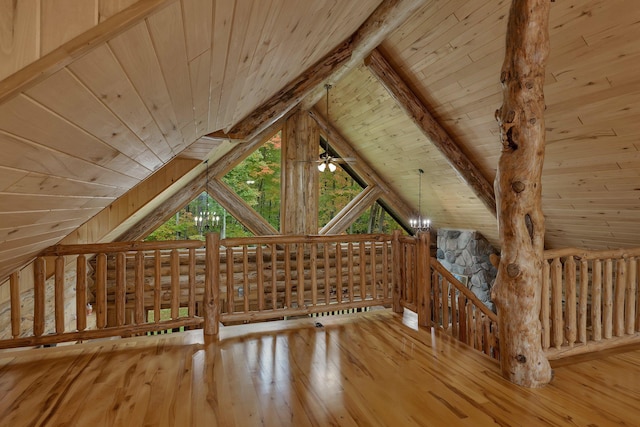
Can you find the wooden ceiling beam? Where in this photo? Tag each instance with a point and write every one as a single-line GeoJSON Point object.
{"type": "Point", "coordinates": [237, 154]}
{"type": "Point", "coordinates": [352, 211]}
{"type": "Point", "coordinates": [240, 210]}
{"type": "Point", "coordinates": [291, 95]}
{"type": "Point", "coordinates": [363, 169]}
{"type": "Point", "coordinates": [382, 22]}
{"type": "Point", "coordinates": [163, 212]}
{"type": "Point", "coordinates": [386, 18]}
{"type": "Point", "coordinates": [76, 47]}
{"type": "Point", "coordinates": [419, 113]}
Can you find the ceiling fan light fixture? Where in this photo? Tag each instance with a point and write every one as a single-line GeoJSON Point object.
{"type": "Point", "coordinates": [332, 167]}
{"type": "Point", "coordinates": [322, 166]}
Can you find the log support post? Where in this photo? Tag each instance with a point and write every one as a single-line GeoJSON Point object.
{"type": "Point", "coordinates": [518, 194]}
{"type": "Point", "coordinates": [396, 267]}
{"type": "Point", "coordinates": [424, 278]}
{"type": "Point", "coordinates": [300, 192]}
{"type": "Point", "coordinates": [211, 301]}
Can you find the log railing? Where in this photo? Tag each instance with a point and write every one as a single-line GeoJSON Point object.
{"type": "Point", "coordinates": [123, 282]}
{"type": "Point", "coordinates": [424, 286]}
{"type": "Point", "coordinates": [271, 277]}
{"type": "Point", "coordinates": [590, 300]}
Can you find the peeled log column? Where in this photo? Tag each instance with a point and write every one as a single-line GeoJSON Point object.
{"type": "Point", "coordinates": [518, 194]}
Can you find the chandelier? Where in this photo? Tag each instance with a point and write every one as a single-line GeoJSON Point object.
{"type": "Point", "coordinates": [420, 224]}
{"type": "Point", "coordinates": [206, 220]}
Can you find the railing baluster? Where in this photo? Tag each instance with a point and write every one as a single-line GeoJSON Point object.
{"type": "Point", "coordinates": [313, 271]}
{"type": "Point", "coordinates": [327, 283]}
{"type": "Point", "coordinates": [445, 304]}
{"type": "Point", "coordinates": [596, 300]}
{"type": "Point", "coordinates": [607, 303]}
{"type": "Point", "coordinates": [175, 283]}
{"type": "Point", "coordinates": [454, 312]}
{"type": "Point", "coordinates": [274, 277]}
{"type": "Point", "coordinates": [363, 271]}
{"type": "Point", "coordinates": [192, 283]}
{"type": "Point", "coordinates": [397, 283]}
{"type": "Point", "coordinates": [230, 289]}
{"type": "Point", "coordinates": [350, 268]}
{"type": "Point", "coordinates": [556, 302]}
{"type": "Point", "coordinates": [81, 293]}
{"type": "Point", "coordinates": [582, 303]}
{"type": "Point", "coordinates": [630, 300]}
{"type": "Point", "coordinates": [101, 291]}
{"type": "Point", "coordinates": [373, 251]}
{"type": "Point", "coordinates": [138, 312]}
{"type": "Point", "coordinates": [385, 270]}
{"type": "Point", "coordinates": [300, 274]}
{"type": "Point", "coordinates": [570, 296]}
{"type": "Point", "coordinates": [462, 313]}
{"type": "Point", "coordinates": [121, 273]}
{"type": "Point", "coordinates": [620, 290]}
{"type": "Point", "coordinates": [437, 286]}
{"type": "Point", "coordinates": [260, 277]}
{"type": "Point", "coordinates": [339, 272]}
{"type": "Point", "coordinates": [245, 277]}
{"type": "Point", "coordinates": [14, 290]}
{"type": "Point", "coordinates": [545, 303]}
{"type": "Point", "coordinates": [287, 276]}
{"type": "Point", "coordinates": [59, 294]}
{"type": "Point", "coordinates": [157, 289]}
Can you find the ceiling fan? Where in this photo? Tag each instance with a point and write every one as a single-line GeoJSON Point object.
{"type": "Point", "coordinates": [326, 160]}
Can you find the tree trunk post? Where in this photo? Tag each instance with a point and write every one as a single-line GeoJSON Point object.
{"type": "Point", "coordinates": [518, 194]}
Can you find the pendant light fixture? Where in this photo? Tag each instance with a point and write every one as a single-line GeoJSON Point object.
{"type": "Point", "coordinates": [420, 224]}
{"type": "Point", "coordinates": [206, 220]}
{"type": "Point", "coordinates": [326, 161]}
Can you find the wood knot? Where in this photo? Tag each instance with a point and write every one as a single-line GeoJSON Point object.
{"type": "Point", "coordinates": [503, 77]}
{"type": "Point", "coordinates": [518, 186]}
{"type": "Point", "coordinates": [513, 270]}
{"type": "Point", "coordinates": [521, 358]}
{"type": "Point", "coordinates": [533, 120]}
{"type": "Point", "coordinates": [529, 84]}
{"type": "Point", "coordinates": [511, 116]}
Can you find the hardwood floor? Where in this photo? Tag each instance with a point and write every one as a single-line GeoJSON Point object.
{"type": "Point", "coordinates": [372, 369]}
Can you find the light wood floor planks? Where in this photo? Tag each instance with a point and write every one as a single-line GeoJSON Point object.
{"type": "Point", "coordinates": [372, 369]}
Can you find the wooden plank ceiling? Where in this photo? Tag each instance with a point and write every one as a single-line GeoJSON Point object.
{"type": "Point", "coordinates": [142, 90]}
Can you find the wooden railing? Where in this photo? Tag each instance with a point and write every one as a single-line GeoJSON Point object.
{"type": "Point", "coordinates": [460, 313]}
{"type": "Point", "coordinates": [424, 286]}
{"type": "Point", "coordinates": [242, 280]}
{"type": "Point", "coordinates": [589, 300]}
{"type": "Point", "coordinates": [127, 281]}
{"type": "Point", "coordinates": [271, 277]}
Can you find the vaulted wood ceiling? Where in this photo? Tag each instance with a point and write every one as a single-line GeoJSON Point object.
{"type": "Point", "coordinates": [130, 88]}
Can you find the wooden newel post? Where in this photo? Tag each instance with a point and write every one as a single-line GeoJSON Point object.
{"type": "Point", "coordinates": [212, 285]}
{"type": "Point", "coordinates": [395, 267]}
{"type": "Point", "coordinates": [424, 278]}
{"type": "Point", "coordinates": [518, 194]}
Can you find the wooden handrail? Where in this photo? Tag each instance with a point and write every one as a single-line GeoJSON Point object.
{"type": "Point", "coordinates": [435, 264]}
{"type": "Point", "coordinates": [587, 254]}
{"type": "Point", "coordinates": [94, 248]}
{"type": "Point", "coordinates": [292, 239]}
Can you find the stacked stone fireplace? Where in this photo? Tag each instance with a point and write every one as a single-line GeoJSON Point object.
{"type": "Point", "coordinates": [465, 253]}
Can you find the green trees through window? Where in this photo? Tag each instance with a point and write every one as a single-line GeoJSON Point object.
{"type": "Point", "coordinates": [257, 181]}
